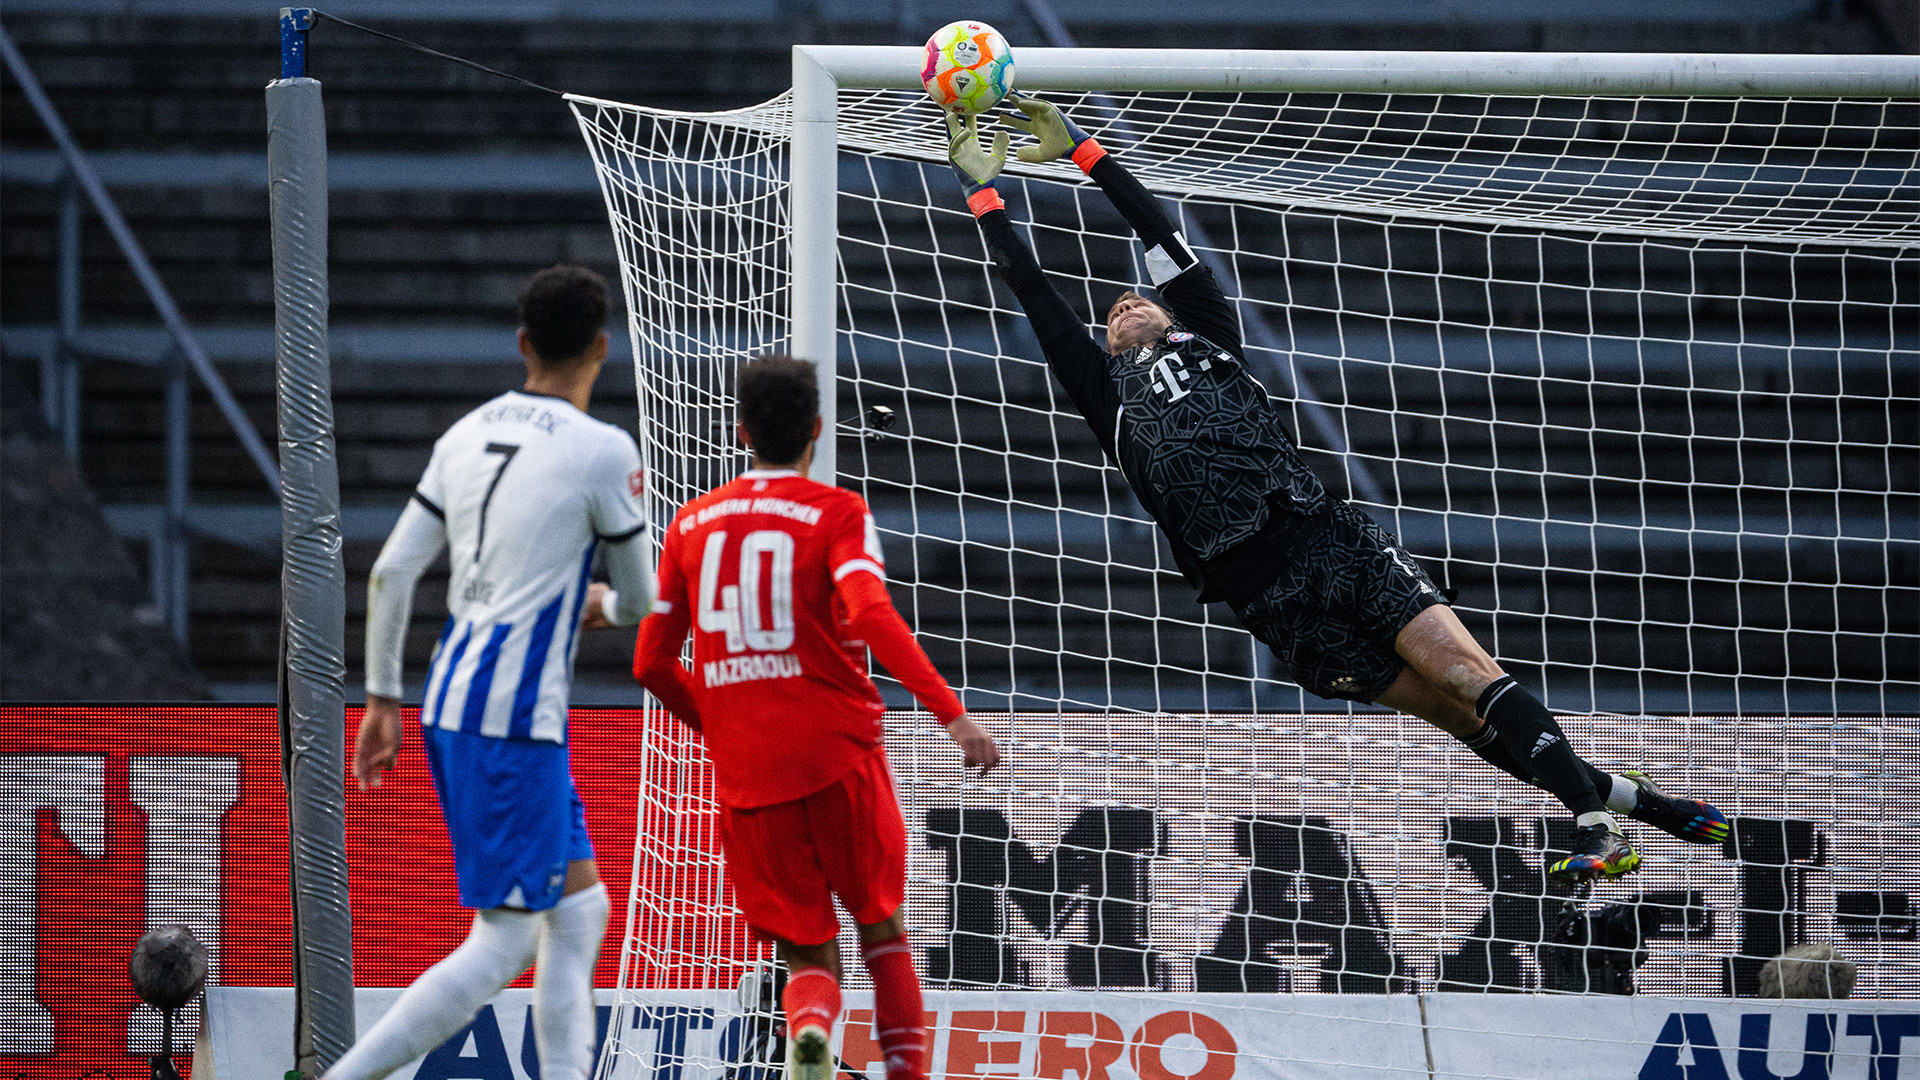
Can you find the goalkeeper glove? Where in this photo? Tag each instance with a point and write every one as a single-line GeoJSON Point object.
{"type": "Point", "coordinates": [1058, 135]}
{"type": "Point", "coordinates": [976, 167]}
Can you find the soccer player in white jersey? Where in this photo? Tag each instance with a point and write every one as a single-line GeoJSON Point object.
{"type": "Point", "coordinates": [524, 490]}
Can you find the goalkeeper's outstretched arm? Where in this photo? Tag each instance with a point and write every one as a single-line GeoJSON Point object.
{"type": "Point", "coordinates": [1187, 286]}
{"type": "Point", "coordinates": [1079, 363]}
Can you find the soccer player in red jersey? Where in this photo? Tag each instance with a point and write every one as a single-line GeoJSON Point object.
{"type": "Point", "coordinates": [782, 582]}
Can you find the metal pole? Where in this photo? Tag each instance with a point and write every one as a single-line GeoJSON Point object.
{"type": "Point", "coordinates": [815, 191]}
{"type": "Point", "coordinates": [313, 581]}
{"type": "Point", "coordinates": [157, 563]}
{"type": "Point", "coordinates": [136, 257]}
{"type": "Point", "coordinates": [50, 383]}
{"type": "Point", "coordinates": [174, 527]}
{"type": "Point", "coordinates": [65, 397]}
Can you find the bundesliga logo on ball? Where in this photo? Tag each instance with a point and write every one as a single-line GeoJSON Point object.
{"type": "Point", "coordinates": [968, 68]}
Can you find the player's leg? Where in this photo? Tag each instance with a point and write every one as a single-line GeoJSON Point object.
{"type": "Point", "coordinates": [1436, 645]}
{"type": "Point", "coordinates": [1413, 694]}
{"type": "Point", "coordinates": [824, 956]}
{"type": "Point", "coordinates": [570, 938]}
{"type": "Point", "coordinates": [1463, 691]}
{"type": "Point", "coordinates": [508, 815]}
{"type": "Point", "coordinates": [899, 1011]}
{"type": "Point", "coordinates": [1354, 610]}
{"type": "Point", "coordinates": [812, 1004]}
{"type": "Point", "coordinates": [1430, 637]}
{"type": "Point", "coordinates": [867, 866]}
{"type": "Point", "coordinates": [783, 892]}
{"type": "Point", "coordinates": [444, 998]}
{"type": "Point", "coordinates": [1515, 724]}
{"type": "Point", "coordinates": [1630, 792]}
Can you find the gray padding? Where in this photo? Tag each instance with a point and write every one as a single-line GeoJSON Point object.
{"type": "Point", "coordinates": [313, 581]}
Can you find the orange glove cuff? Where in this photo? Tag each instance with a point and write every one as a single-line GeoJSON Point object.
{"type": "Point", "coordinates": [984, 200]}
{"type": "Point", "coordinates": [1088, 154]}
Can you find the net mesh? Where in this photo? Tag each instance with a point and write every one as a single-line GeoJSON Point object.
{"type": "Point", "coordinates": [1635, 376]}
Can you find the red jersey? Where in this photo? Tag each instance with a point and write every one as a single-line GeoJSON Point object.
{"type": "Point", "coordinates": [782, 582]}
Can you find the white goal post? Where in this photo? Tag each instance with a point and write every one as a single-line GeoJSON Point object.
{"type": "Point", "coordinates": [1627, 346]}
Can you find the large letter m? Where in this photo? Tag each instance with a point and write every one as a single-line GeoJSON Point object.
{"type": "Point", "coordinates": [1099, 869]}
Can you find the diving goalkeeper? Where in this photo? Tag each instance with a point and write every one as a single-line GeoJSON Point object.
{"type": "Point", "coordinates": [1335, 596]}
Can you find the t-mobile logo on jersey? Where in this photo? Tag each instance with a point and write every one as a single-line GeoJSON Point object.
{"type": "Point", "coordinates": [1170, 380]}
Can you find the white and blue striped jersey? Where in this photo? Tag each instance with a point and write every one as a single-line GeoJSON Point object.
{"type": "Point", "coordinates": [523, 490]}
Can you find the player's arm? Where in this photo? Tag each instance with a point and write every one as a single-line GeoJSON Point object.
{"type": "Point", "coordinates": [871, 614]}
{"type": "Point", "coordinates": [657, 666]}
{"type": "Point", "coordinates": [620, 523]}
{"type": "Point", "coordinates": [417, 539]}
{"type": "Point", "coordinates": [859, 578]}
{"type": "Point", "coordinates": [1079, 363]}
{"type": "Point", "coordinates": [656, 653]}
{"type": "Point", "coordinates": [1187, 286]}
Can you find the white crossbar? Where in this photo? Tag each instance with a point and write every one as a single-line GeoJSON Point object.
{"type": "Point", "coordinates": [884, 67]}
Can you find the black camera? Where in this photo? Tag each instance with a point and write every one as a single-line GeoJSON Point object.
{"type": "Point", "coordinates": [1596, 950]}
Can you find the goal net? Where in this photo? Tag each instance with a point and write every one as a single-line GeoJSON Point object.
{"type": "Point", "coordinates": [1635, 376]}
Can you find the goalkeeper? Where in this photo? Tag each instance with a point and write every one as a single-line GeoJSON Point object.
{"type": "Point", "coordinates": [1337, 599]}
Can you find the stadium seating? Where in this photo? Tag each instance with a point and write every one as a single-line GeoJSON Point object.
{"type": "Point", "coordinates": [450, 186]}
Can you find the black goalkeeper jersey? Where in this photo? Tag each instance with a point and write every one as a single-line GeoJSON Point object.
{"type": "Point", "coordinates": [1191, 429]}
{"type": "Point", "coordinates": [1199, 441]}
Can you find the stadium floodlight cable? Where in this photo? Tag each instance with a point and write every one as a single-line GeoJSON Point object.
{"type": "Point", "coordinates": [1627, 339]}
{"type": "Point", "coordinates": [313, 662]}
{"type": "Point", "coordinates": [317, 15]}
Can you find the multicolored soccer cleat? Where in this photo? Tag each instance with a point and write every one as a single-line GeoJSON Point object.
{"type": "Point", "coordinates": [1689, 819]}
{"type": "Point", "coordinates": [1598, 852]}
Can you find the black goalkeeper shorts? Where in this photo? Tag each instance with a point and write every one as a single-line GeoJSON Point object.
{"type": "Point", "coordinates": [1347, 590]}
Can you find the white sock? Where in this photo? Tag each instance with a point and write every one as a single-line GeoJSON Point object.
{"type": "Point", "coordinates": [1624, 796]}
{"type": "Point", "coordinates": [445, 997]}
{"type": "Point", "coordinates": [563, 984]}
{"type": "Point", "coordinates": [1597, 817]}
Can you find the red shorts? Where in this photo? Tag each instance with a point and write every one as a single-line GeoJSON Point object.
{"type": "Point", "coordinates": [788, 860]}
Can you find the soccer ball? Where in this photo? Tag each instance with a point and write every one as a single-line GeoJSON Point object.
{"type": "Point", "coordinates": [968, 68]}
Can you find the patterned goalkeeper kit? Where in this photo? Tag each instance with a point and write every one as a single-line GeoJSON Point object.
{"type": "Point", "coordinates": [1206, 451]}
{"type": "Point", "coordinates": [1199, 442]}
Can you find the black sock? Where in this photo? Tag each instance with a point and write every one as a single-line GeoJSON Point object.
{"type": "Point", "coordinates": [1486, 746]}
{"type": "Point", "coordinates": [1529, 735]}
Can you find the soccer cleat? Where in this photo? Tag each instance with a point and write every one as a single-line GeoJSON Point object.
{"type": "Point", "coordinates": [809, 1055]}
{"type": "Point", "coordinates": [1689, 819]}
{"type": "Point", "coordinates": [1598, 852]}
